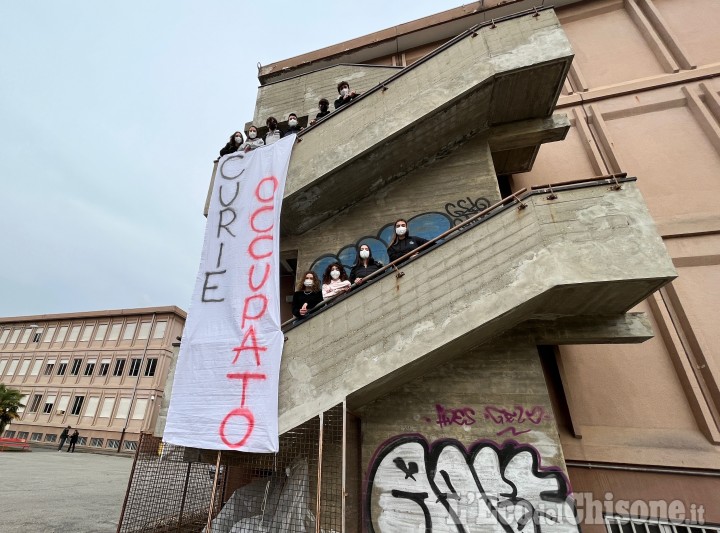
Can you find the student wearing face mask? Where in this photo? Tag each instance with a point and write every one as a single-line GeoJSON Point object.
{"type": "Point", "coordinates": [346, 95]}
{"type": "Point", "coordinates": [236, 141]}
{"type": "Point", "coordinates": [293, 126]}
{"type": "Point", "coordinates": [307, 295]}
{"type": "Point", "coordinates": [253, 141]}
{"type": "Point", "coordinates": [365, 265]}
{"type": "Point", "coordinates": [274, 134]}
{"type": "Point", "coordinates": [403, 243]}
{"type": "Point", "coordinates": [335, 281]}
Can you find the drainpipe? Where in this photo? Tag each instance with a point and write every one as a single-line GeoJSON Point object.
{"type": "Point", "coordinates": [137, 382]}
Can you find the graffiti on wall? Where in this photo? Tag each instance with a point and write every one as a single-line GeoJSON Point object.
{"type": "Point", "coordinates": [464, 208]}
{"type": "Point", "coordinates": [415, 486]}
{"type": "Point", "coordinates": [507, 419]}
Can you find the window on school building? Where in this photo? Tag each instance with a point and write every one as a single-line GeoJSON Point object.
{"type": "Point", "coordinates": [119, 367]}
{"type": "Point", "coordinates": [62, 332]}
{"type": "Point", "coordinates": [150, 366]}
{"type": "Point", "coordinates": [92, 406]}
{"type": "Point", "coordinates": [36, 437]}
{"type": "Point", "coordinates": [24, 367]}
{"type": "Point", "coordinates": [37, 335]}
{"type": "Point", "coordinates": [37, 365]}
{"type": "Point", "coordinates": [101, 331]}
{"type": "Point", "coordinates": [14, 336]}
{"type": "Point", "coordinates": [49, 402]}
{"type": "Point", "coordinates": [26, 336]}
{"type": "Point", "coordinates": [129, 331]}
{"type": "Point", "coordinates": [104, 367]}
{"type": "Point", "coordinates": [50, 437]}
{"type": "Point", "coordinates": [114, 332]}
{"type": "Point", "coordinates": [144, 331]}
{"type": "Point", "coordinates": [77, 405]}
{"type": "Point", "coordinates": [48, 335]}
{"type": "Point", "coordinates": [96, 443]}
{"type": "Point", "coordinates": [62, 367]}
{"type": "Point", "coordinates": [159, 332]}
{"type": "Point", "coordinates": [49, 367]}
{"type": "Point", "coordinates": [4, 336]}
{"type": "Point", "coordinates": [113, 444]}
{"type": "Point", "coordinates": [35, 403]}
{"type": "Point", "coordinates": [135, 367]}
{"type": "Point", "coordinates": [22, 435]}
{"type": "Point", "coordinates": [87, 332]}
{"type": "Point", "coordinates": [90, 367]}
{"type": "Point", "coordinates": [75, 370]}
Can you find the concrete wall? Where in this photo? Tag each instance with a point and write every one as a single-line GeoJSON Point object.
{"type": "Point", "coordinates": [643, 99]}
{"type": "Point", "coordinates": [301, 94]}
{"type": "Point", "coordinates": [491, 404]}
{"type": "Point", "coordinates": [467, 172]}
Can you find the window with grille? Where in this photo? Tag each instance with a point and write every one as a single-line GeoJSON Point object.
{"type": "Point", "coordinates": [119, 367]}
{"type": "Point", "coordinates": [62, 367]}
{"type": "Point", "coordinates": [37, 335]}
{"type": "Point", "coordinates": [135, 367]}
{"type": "Point", "coordinates": [50, 437]}
{"type": "Point", "coordinates": [22, 435]}
{"type": "Point", "coordinates": [104, 367]}
{"type": "Point", "coordinates": [36, 437]}
{"type": "Point", "coordinates": [96, 443]}
{"type": "Point", "coordinates": [113, 444]}
{"type": "Point", "coordinates": [82, 441]}
{"type": "Point", "coordinates": [130, 445]}
{"type": "Point", "coordinates": [150, 366]}
{"type": "Point", "coordinates": [49, 368]}
{"type": "Point", "coordinates": [9, 434]}
{"type": "Point", "coordinates": [77, 405]}
{"type": "Point", "coordinates": [75, 370]}
{"type": "Point", "coordinates": [35, 404]}
{"type": "Point", "coordinates": [626, 524]}
{"type": "Point", "coordinates": [89, 369]}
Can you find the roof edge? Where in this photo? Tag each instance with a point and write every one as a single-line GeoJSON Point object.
{"type": "Point", "coordinates": [169, 309]}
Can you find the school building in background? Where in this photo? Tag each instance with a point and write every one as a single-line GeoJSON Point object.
{"type": "Point", "coordinates": [101, 372]}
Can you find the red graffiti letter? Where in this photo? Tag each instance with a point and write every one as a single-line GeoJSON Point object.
{"type": "Point", "coordinates": [254, 287]}
{"type": "Point", "coordinates": [253, 346]}
{"type": "Point", "coordinates": [246, 309]}
{"type": "Point", "coordinates": [251, 247]}
{"type": "Point", "coordinates": [256, 213]}
{"type": "Point", "coordinates": [241, 411]}
{"type": "Point", "coordinates": [274, 181]}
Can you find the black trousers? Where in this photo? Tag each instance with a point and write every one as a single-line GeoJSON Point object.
{"type": "Point", "coordinates": [71, 447]}
{"type": "Point", "coordinates": [62, 443]}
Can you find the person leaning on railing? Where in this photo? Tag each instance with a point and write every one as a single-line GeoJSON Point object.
{"type": "Point", "coordinates": [274, 134]}
{"type": "Point", "coordinates": [307, 295]}
{"type": "Point", "coordinates": [403, 243]}
{"type": "Point", "coordinates": [365, 265]}
{"type": "Point", "coordinates": [346, 95]}
{"type": "Point", "coordinates": [335, 281]}
{"type": "Point", "coordinates": [236, 141]}
{"type": "Point", "coordinates": [252, 141]}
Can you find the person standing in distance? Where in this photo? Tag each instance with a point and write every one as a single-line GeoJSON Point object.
{"type": "Point", "coordinates": [307, 295]}
{"type": "Point", "coordinates": [63, 437]}
{"type": "Point", "coordinates": [73, 441]}
{"type": "Point", "coordinates": [274, 134]}
{"type": "Point", "coordinates": [346, 95]}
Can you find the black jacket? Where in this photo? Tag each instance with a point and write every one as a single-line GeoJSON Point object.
{"type": "Point", "coordinates": [229, 148]}
{"type": "Point", "coordinates": [360, 271]}
{"type": "Point", "coordinates": [404, 246]}
{"type": "Point", "coordinates": [342, 101]}
{"type": "Point", "coordinates": [291, 130]}
{"type": "Point", "coordinates": [300, 298]}
{"type": "Point", "coordinates": [321, 115]}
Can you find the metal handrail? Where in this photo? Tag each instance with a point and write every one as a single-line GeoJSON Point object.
{"type": "Point", "coordinates": [514, 198]}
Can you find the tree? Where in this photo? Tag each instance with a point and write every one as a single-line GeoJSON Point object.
{"type": "Point", "coordinates": [10, 402]}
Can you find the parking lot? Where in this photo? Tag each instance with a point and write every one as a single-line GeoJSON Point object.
{"type": "Point", "coordinates": [49, 491]}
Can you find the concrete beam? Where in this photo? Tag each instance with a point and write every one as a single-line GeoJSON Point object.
{"type": "Point", "coordinates": [628, 328]}
{"type": "Point", "coordinates": [528, 133]}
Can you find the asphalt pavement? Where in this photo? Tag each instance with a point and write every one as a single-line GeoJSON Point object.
{"type": "Point", "coordinates": [48, 491]}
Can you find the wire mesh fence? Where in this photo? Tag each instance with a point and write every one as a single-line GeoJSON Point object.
{"type": "Point", "coordinates": [299, 489]}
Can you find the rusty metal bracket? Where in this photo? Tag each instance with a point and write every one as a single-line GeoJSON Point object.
{"type": "Point", "coordinates": [522, 205]}
{"type": "Point", "coordinates": [536, 12]}
{"type": "Point", "coordinates": [398, 273]}
{"type": "Point", "coordinates": [552, 195]}
{"type": "Point", "coordinates": [617, 185]}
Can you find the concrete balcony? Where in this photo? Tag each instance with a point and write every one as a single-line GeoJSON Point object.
{"type": "Point", "coordinates": [500, 79]}
{"type": "Point", "coordinates": [585, 258]}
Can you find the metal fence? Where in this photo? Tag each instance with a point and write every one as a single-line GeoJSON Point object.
{"type": "Point", "coordinates": [302, 488]}
{"type": "Point", "coordinates": [627, 524]}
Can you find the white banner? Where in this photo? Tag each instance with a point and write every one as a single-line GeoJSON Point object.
{"type": "Point", "coordinates": [225, 393]}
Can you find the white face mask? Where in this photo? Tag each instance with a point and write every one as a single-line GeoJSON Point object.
{"type": "Point", "coordinates": [364, 254]}
{"type": "Point", "coordinates": [344, 91]}
{"type": "Point", "coordinates": [335, 274]}
{"type": "Point", "coordinates": [252, 134]}
{"type": "Point", "coordinates": [292, 122]}
{"type": "Point", "coordinates": [308, 282]}
{"type": "Point", "coordinates": [402, 230]}
{"type": "Point", "coordinates": [238, 139]}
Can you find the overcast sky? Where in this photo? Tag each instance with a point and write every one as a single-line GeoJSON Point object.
{"type": "Point", "coordinates": [110, 116]}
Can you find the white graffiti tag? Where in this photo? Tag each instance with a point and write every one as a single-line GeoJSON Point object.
{"type": "Point", "coordinates": [489, 489]}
